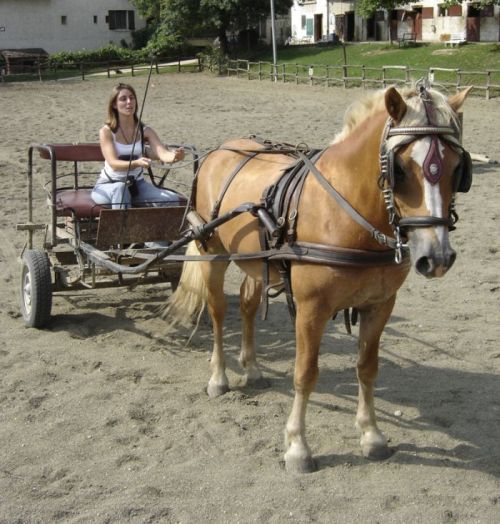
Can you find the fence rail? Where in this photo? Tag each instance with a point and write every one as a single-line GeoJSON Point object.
{"type": "Point", "coordinates": [309, 74]}
{"type": "Point", "coordinates": [44, 70]}
{"type": "Point", "coordinates": [360, 75]}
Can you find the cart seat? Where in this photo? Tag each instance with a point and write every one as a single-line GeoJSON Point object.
{"type": "Point", "coordinates": [76, 202]}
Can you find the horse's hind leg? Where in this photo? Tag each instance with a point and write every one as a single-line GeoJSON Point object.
{"type": "Point", "coordinates": [213, 274]}
{"type": "Point", "coordinates": [250, 296]}
{"type": "Point", "coordinates": [372, 323]}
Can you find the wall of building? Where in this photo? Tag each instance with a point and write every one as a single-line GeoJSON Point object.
{"type": "Point", "coordinates": [434, 29]}
{"type": "Point", "coordinates": [38, 24]}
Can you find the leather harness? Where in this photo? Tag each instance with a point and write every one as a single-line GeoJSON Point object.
{"type": "Point", "coordinates": [278, 209]}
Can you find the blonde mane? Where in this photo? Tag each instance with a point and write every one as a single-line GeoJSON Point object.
{"type": "Point", "coordinates": [361, 110]}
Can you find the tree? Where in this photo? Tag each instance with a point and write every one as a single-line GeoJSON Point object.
{"type": "Point", "coordinates": [179, 19]}
{"type": "Point", "coordinates": [150, 10]}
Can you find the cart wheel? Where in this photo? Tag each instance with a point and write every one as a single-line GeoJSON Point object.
{"type": "Point", "coordinates": [36, 288]}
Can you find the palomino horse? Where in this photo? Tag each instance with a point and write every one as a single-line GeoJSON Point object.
{"type": "Point", "coordinates": [385, 187]}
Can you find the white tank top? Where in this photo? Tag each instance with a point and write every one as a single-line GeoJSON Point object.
{"type": "Point", "coordinates": [121, 150]}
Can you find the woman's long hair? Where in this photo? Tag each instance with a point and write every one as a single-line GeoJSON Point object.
{"type": "Point", "coordinates": [113, 120]}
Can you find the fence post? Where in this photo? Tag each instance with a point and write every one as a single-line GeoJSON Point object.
{"type": "Point", "coordinates": [199, 64]}
{"type": "Point", "coordinates": [344, 74]}
{"type": "Point", "coordinates": [363, 76]}
{"type": "Point", "coordinates": [82, 70]}
{"type": "Point", "coordinates": [431, 75]}
{"type": "Point", "coordinates": [383, 77]}
{"type": "Point", "coordinates": [156, 65]}
{"type": "Point", "coordinates": [488, 84]}
{"type": "Point", "coordinates": [310, 73]}
{"type": "Point", "coordinates": [179, 65]}
{"type": "Point", "coordinates": [132, 68]}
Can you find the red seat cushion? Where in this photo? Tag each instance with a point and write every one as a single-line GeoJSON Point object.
{"type": "Point", "coordinates": [76, 202]}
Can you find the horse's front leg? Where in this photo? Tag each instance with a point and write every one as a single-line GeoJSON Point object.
{"type": "Point", "coordinates": [250, 297]}
{"type": "Point", "coordinates": [216, 303]}
{"type": "Point", "coordinates": [312, 316]}
{"type": "Point", "coordinates": [372, 323]}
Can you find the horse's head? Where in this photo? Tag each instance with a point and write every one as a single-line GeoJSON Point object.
{"type": "Point", "coordinates": [423, 165]}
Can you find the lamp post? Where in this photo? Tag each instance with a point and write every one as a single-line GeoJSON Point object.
{"type": "Point", "coordinates": [273, 37]}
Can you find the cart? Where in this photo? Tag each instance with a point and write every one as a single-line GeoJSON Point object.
{"type": "Point", "coordinates": [85, 245]}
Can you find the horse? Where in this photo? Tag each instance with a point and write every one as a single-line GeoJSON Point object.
{"type": "Point", "coordinates": [377, 201]}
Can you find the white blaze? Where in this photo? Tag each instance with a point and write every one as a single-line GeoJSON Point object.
{"type": "Point", "coordinates": [432, 193]}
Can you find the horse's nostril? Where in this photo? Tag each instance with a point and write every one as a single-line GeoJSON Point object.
{"type": "Point", "coordinates": [452, 258]}
{"type": "Point", "coordinates": [424, 266]}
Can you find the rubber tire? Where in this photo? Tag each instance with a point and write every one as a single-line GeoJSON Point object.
{"type": "Point", "coordinates": [36, 288]}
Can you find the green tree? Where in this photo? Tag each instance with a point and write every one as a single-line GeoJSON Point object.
{"type": "Point", "coordinates": [179, 19]}
{"type": "Point", "coordinates": [149, 9]}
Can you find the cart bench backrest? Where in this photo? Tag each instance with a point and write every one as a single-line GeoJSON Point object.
{"type": "Point", "coordinates": [90, 152]}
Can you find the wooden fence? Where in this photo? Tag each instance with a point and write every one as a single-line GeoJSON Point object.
{"type": "Point", "coordinates": [44, 70]}
{"type": "Point", "coordinates": [312, 74]}
{"type": "Point", "coordinates": [362, 76]}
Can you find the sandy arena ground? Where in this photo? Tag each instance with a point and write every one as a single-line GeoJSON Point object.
{"type": "Point", "coordinates": [104, 418]}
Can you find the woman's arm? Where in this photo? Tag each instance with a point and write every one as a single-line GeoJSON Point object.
{"type": "Point", "coordinates": [109, 153]}
{"type": "Point", "coordinates": [159, 150]}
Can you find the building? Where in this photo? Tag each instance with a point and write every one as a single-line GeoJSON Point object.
{"type": "Point", "coordinates": [66, 25]}
{"type": "Point", "coordinates": [430, 20]}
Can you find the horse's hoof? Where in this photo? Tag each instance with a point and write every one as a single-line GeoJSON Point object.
{"type": "Point", "coordinates": [377, 453]}
{"type": "Point", "coordinates": [257, 383]}
{"type": "Point", "coordinates": [300, 465]}
{"type": "Point", "coordinates": [214, 390]}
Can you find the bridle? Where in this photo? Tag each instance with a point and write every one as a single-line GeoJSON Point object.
{"type": "Point", "coordinates": [432, 168]}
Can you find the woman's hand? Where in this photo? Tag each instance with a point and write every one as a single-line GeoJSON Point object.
{"type": "Point", "coordinates": [141, 162]}
{"type": "Point", "coordinates": [179, 154]}
{"type": "Point", "coordinates": [172, 156]}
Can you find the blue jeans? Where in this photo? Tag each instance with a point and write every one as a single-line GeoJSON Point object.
{"type": "Point", "coordinates": [118, 196]}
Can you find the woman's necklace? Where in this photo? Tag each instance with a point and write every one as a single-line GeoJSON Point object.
{"type": "Point", "coordinates": [127, 141]}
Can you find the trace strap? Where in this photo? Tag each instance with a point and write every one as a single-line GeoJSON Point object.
{"type": "Point", "coordinates": [380, 237]}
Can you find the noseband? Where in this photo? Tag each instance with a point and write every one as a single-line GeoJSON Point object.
{"type": "Point", "coordinates": [432, 168]}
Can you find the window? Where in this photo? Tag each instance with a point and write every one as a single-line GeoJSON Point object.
{"type": "Point", "coordinates": [303, 21]}
{"type": "Point", "coordinates": [309, 27]}
{"type": "Point", "coordinates": [95, 19]}
{"type": "Point", "coordinates": [131, 20]}
{"type": "Point", "coordinates": [121, 20]}
{"type": "Point", "coordinates": [64, 20]}
{"type": "Point", "coordinates": [455, 10]}
{"type": "Point", "coordinates": [427, 12]}
{"type": "Point", "coordinates": [442, 11]}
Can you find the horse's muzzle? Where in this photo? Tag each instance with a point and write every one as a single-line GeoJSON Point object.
{"type": "Point", "coordinates": [430, 257]}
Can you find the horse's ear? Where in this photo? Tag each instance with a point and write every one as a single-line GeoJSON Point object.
{"type": "Point", "coordinates": [457, 100]}
{"type": "Point", "coordinates": [395, 104]}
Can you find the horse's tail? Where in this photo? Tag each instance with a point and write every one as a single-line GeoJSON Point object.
{"type": "Point", "coordinates": [188, 300]}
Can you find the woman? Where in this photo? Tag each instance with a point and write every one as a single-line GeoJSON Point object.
{"type": "Point", "coordinates": [121, 182]}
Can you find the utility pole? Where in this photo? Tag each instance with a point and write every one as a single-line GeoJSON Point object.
{"type": "Point", "coordinates": [327, 20]}
{"type": "Point", "coordinates": [273, 37]}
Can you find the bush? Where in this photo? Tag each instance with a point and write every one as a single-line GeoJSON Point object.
{"type": "Point", "coordinates": [214, 59]}
{"type": "Point", "coordinates": [104, 54]}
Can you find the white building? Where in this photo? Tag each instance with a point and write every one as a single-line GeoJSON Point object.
{"type": "Point", "coordinates": [430, 20]}
{"type": "Point", "coordinates": [66, 25]}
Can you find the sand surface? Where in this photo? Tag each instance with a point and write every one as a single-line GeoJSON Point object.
{"type": "Point", "coordinates": [104, 417]}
